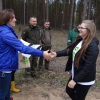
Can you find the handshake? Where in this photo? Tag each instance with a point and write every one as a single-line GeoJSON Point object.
{"type": "Point", "coordinates": [49, 54]}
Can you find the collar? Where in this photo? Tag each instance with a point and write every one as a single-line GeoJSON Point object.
{"type": "Point", "coordinates": [10, 28]}
{"type": "Point", "coordinates": [33, 27]}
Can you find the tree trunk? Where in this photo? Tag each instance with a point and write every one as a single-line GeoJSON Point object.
{"type": "Point", "coordinates": [63, 13]}
{"type": "Point", "coordinates": [55, 13]}
{"type": "Point", "coordinates": [89, 10]}
{"type": "Point", "coordinates": [47, 7]}
{"type": "Point", "coordinates": [0, 4]}
{"type": "Point", "coordinates": [71, 14]}
{"type": "Point", "coordinates": [85, 9]}
{"type": "Point", "coordinates": [43, 10]}
{"type": "Point", "coordinates": [24, 11]}
{"type": "Point", "coordinates": [35, 10]}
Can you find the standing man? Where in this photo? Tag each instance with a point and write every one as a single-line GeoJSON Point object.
{"type": "Point", "coordinates": [46, 42]}
{"type": "Point", "coordinates": [31, 34]}
{"type": "Point", "coordinates": [72, 35]}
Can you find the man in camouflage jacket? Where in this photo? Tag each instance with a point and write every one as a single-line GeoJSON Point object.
{"type": "Point", "coordinates": [31, 34]}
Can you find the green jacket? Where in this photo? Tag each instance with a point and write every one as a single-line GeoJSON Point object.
{"type": "Point", "coordinates": [31, 34]}
{"type": "Point", "coordinates": [72, 34]}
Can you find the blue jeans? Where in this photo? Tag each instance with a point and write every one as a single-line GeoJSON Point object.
{"type": "Point", "coordinates": [5, 83]}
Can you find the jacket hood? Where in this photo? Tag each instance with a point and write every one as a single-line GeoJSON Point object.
{"type": "Point", "coordinates": [6, 28]}
{"type": "Point", "coordinates": [95, 40]}
{"type": "Point", "coordinates": [33, 27]}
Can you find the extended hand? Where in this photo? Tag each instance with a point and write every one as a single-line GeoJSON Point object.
{"type": "Point", "coordinates": [71, 84]}
{"type": "Point", "coordinates": [49, 54]}
{"type": "Point", "coordinates": [46, 55]}
{"type": "Point", "coordinates": [52, 54]}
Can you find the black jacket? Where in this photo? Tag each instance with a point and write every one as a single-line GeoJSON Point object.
{"type": "Point", "coordinates": [86, 70]}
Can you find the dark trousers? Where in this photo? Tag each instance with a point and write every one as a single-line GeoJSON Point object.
{"type": "Point", "coordinates": [33, 65]}
{"type": "Point", "coordinates": [79, 92]}
{"type": "Point", "coordinates": [41, 58]}
{"type": "Point", "coordinates": [5, 83]}
{"type": "Point", "coordinates": [13, 75]}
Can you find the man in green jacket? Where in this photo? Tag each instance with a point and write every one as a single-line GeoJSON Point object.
{"type": "Point", "coordinates": [72, 34]}
{"type": "Point", "coordinates": [31, 34]}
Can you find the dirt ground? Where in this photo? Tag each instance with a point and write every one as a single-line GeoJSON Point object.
{"type": "Point", "coordinates": [50, 85]}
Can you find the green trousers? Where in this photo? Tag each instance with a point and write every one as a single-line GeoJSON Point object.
{"type": "Point", "coordinates": [33, 65]}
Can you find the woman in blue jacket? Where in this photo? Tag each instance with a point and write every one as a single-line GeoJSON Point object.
{"type": "Point", "coordinates": [82, 58]}
{"type": "Point", "coordinates": [9, 47]}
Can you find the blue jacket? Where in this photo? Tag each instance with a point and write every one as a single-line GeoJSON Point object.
{"type": "Point", "coordinates": [9, 47]}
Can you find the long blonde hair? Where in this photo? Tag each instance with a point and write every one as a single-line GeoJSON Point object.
{"type": "Point", "coordinates": [91, 29]}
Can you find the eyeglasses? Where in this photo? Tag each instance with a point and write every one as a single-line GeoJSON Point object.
{"type": "Point", "coordinates": [47, 24]}
{"type": "Point", "coordinates": [81, 28]}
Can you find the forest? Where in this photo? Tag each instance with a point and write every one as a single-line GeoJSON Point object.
{"type": "Point", "coordinates": [62, 14]}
